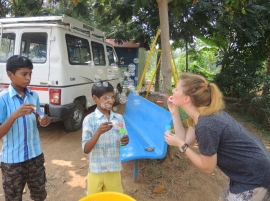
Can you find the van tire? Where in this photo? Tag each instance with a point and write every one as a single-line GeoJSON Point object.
{"type": "Point", "coordinates": [74, 122]}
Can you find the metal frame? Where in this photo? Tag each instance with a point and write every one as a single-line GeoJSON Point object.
{"type": "Point", "coordinates": [152, 50]}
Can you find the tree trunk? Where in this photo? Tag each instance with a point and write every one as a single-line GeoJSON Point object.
{"type": "Point", "coordinates": [40, 8]}
{"type": "Point", "coordinates": [15, 8]}
{"type": "Point", "coordinates": [65, 3]}
{"type": "Point", "coordinates": [3, 14]}
{"type": "Point", "coordinates": [186, 56]}
{"type": "Point", "coordinates": [165, 44]}
{"type": "Point", "coordinates": [165, 54]}
{"type": "Point", "coordinates": [157, 78]}
{"type": "Point", "coordinates": [265, 90]}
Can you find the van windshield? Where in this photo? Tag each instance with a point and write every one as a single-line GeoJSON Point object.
{"type": "Point", "coordinates": [7, 46]}
{"type": "Point", "coordinates": [34, 47]}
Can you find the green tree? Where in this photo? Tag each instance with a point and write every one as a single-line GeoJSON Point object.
{"type": "Point", "coordinates": [245, 49]}
{"type": "Point", "coordinates": [17, 8]}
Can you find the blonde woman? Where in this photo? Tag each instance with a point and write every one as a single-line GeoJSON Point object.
{"type": "Point", "coordinates": [222, 141]}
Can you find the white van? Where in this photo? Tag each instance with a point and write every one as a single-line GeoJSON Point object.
{"type": "Point", "coordinates": [68, 57]}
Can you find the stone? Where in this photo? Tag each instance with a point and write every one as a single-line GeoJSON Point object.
{"type": "Point", "coordinates": [159, 189]}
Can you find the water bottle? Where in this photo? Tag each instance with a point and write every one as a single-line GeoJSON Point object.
{"type": "Point", "coordinates": [41, 114]}
{"type": "Point", "coordinates": [122, 133]}
{"type": "Point", "coordinates": [168, 129]}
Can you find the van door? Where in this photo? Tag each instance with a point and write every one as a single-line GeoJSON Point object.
{"type": "Point", "coordinates": [7, 49]}
{"type": "Point", "coordinates": [35, 46]}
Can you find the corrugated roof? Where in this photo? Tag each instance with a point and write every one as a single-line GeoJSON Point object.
{"type": "Point", "coordinates": [127, 44]}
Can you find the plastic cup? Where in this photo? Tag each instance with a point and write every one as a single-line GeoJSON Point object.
{"type": "Point", "coordinates": [41, 114]}
{"type": "Point", "coordinates": [168, 129]}
{"type": "Point", "coordinates": [122, 133]}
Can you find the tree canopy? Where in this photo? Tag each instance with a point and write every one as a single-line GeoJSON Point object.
{"type": "Point", "coordinates": [236, 29]}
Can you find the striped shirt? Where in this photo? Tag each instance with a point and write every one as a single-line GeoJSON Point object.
{"type": "Point", "coordinates": [22, 141]}
{"type": "Point", "coordinates": [105, 155]}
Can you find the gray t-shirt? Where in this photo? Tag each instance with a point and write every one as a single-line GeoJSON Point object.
{"type": "Point", "coordinates": [240, 155]}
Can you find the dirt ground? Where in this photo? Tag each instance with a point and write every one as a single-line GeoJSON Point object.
{"type": "Point", "coordinates": [66, 168]}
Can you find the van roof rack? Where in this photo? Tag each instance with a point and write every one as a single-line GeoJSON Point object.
{"type": "Point", "coordinates": [74, 25]}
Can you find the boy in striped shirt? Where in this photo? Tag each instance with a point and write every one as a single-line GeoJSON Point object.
{"type": "Point", "coordinates": [22, 156]}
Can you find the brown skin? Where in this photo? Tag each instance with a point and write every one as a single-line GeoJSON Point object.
{"type": "Point", "coordinates": [105, 126]}
{"type": "Point", "coordinates": [20, 80]}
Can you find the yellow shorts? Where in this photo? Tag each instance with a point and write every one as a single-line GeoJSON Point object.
{"type": "Point", "coordinates": [108, 181]}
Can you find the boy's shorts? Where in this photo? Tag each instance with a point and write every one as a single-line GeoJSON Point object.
{"type": "Point", "coordinates": [108, 181]}
{"type": "Point", "coordinates": [16, 175]}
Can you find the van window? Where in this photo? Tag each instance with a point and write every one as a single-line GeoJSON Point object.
{"type": "Point", "coordinates": [34, 47]}
{"type": "Point", "coordinates": [7, 46]}
{"type": "Point", "coordinates": [111, 56]}
{"type": "Point", "coordinates": [98, 53]}
{"type": "Point", "coordinates": [78, 50]}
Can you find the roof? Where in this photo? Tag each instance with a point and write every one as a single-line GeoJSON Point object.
{"type": "Point", "coordinates": [127, 44]}
{"type": "Point", "coordinates": [68, 22]}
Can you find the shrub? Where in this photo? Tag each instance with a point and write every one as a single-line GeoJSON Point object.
{"type": "Point", "coordinates": [242, 80]}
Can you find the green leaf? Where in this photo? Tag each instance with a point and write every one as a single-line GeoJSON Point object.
{"type": "Point", "coordinates": [243, 11]}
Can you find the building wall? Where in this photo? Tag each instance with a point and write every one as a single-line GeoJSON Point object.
{"type": "Point", "coordinates": [129, 54]}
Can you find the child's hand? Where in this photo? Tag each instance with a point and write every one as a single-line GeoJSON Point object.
{"type": "Point", "coordinates": [124, 140]}
{"type": "Point", "coordinates": [104, 127]}
{"type": "Point", "coordinates": [24, 109]}
{"type": "Point", "coordinates": [44, 121]}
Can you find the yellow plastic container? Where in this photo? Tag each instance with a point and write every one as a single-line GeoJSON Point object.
{"type": "Point", "coordinates": [107, 196]}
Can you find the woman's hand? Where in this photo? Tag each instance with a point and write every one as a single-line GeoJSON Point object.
{"type": "Point", "coordinates": [174, 140]}
{"type": "Point", "coordinates": [172, 108]}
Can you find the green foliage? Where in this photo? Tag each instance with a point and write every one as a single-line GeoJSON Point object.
{"type": "Point", "coordinates": [260, 105]}
{"type": "Point", "coordinates": [255, 116]}
{"type": "Point", "coordinates": [202, 60]}
{"type": "Point", "coordinates": [245, 34]}
{"type": "Point", "coordinates": [242, 79]}
{"type": "Point", "coordinates": [51, 7]}
{"type": "Point", "coordinates": [183, 115]}
{"type": "Point", "coordinates": [20, 8]}
{"type": "Point", "coordinates": [118, 20]}
{"type": "Point", "coordinates": [204, 72]}
{"type": "Point", "coordinates": [231, 31]}
{"type": "Point", "coordinates": [260, 108]}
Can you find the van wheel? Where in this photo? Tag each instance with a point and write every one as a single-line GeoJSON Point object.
{"type": "Point", "coordinates": [74, 122]}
